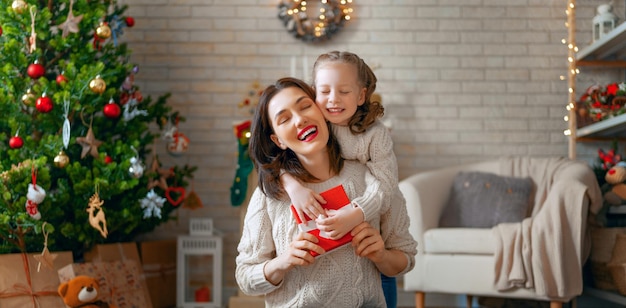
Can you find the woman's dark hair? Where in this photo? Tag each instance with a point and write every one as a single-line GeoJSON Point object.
{"type": "Point", "coordinates": [268, 158]}
{"type": "Point", "coordinates": [370, 110]}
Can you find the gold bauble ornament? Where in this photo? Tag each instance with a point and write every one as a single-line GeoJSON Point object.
{"type": "Point", "coordinates": [103, 31]}
{"type": "Point", "coordinates": [19, 6]}
{"type": "Point", "coordinates": [61, 160]}
{"type": "Point", "coordinates": [97, 85]}
{"type": "Point", "coordinates": [28, 98]}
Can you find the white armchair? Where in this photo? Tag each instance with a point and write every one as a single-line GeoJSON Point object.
{"type": "Point", "coordinates": [463, 260]}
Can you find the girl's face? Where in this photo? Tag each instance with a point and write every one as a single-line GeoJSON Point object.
{"type": "Point", "coordinates": [298, 124]}
{"type": "Point", "coordinates": [338, 91]}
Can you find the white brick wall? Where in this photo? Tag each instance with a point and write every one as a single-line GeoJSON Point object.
{"type": "Point", "coordinates": [461, 80]}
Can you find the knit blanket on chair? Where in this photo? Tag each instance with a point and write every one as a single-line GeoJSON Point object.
{"type": "Point", "coordinates": [547, 250]}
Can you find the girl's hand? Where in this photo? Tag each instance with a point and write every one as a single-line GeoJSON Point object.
{"type": "Point", "coordinates": [338, 223]}
{"type": "Point", "coordinates": [306, 201]}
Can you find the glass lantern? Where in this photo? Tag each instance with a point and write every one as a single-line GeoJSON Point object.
{"type": "Point", "coordinates": [604, 22]}
{"type": "Point", "coordinates": [199, 267]}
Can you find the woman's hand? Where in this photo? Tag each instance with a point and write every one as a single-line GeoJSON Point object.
{"type": "Point", "coordinates": [298, 254]}
{"type": "Point", "coordinates": [368, 243]}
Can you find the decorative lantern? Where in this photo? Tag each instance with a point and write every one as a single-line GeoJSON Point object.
{"type": "Point", "coordinates": [199, 266]}
{"type": "Point", "coordinates": [604, 22]}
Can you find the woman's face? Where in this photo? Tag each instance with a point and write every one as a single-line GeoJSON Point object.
{"type": "Point", "coordinates": [297, 122]}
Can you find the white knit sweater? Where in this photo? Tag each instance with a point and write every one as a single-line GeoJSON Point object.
{"type": "Point", "coordinates": [336, 279]}
{"type": "Point", "coordinates": [374, 148]}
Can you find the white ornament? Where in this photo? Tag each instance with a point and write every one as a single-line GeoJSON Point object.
{"type": "Point", "coordinates": [152, 205]}
{"type": "Point", "coordinates": [34, 197]}
{"type": "Point", "coordinates": [136, 168]}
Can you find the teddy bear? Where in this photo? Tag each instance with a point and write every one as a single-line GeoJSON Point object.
{"type": "Point", "coordinates": [616, 178]}
{"type": "Point", "coordinates": [82, 291]}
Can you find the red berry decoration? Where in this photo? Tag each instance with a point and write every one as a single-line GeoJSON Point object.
{"type": "Point", "coordinates": [0, 31]}
{"type": "Point", "coordinates": [35, 70]}
{"type": "Point", "coordinates": [61, 79]}
{"type": "Point", "coordinates": [108, 159]}
{"type": "Point", "coordinates": [44, 104]}
{"type": "Point", "coordinates": [16, 142]}
{"type": "Point", "coordinates": [130, 21]}
{"type": "Point", "coordinates": [112, 110]}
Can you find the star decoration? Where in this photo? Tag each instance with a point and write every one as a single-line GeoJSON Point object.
{"type": "Point", "coordinates": [163, 173]}
{"type": "Point", "coordinates": [152, 205]}
{"type": "Point", "coordinates": [89, 143]}
{"type": "Point", "coordinates": [46, 258]}
{"type": "Point", "coordinates": [71, 23]}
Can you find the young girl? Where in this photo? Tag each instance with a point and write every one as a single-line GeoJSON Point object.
{"type": "Point", "coordinates": [344, 85]}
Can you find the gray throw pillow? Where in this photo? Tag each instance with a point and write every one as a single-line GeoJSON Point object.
{"type": "Point", "coordinates": [483, 200]}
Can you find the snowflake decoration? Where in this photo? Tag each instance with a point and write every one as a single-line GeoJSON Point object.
{"type": "Point", "coordinates": [152, 205]}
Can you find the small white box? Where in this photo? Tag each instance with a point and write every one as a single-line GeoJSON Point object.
{"type": "Point", "coordinates": [200, 226]}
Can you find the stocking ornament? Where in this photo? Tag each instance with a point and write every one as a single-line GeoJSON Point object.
{"type": "Point", "coordinates": [244, 165]}
{"type": "Point", "coordinates": [34, 197]}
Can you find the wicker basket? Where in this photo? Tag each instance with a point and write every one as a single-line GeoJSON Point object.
{"type": "Point", "coordinates": [603, 242]}
{"type": "Point", "coordinates": [617, 265]}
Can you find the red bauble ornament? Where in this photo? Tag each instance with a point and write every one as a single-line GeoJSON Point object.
{"type": "Point", "coordinates": [130, 21]}
{"type": "Point", "coordinates": [108, 159]}
{"type": "Point", "coordinates": [60, 79]}
{"type": "Point", "coordinates": [35, 70]}
{"type": "Point", "coordinates": [44, 104]}
{"type": "Point", "coordinates": [112, 110]}
{"type": "Point", "coordinates": [0, 31]}
{"type": "Point", "coordinates": [16, 142]}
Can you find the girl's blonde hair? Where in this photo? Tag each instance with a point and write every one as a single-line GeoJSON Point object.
{"type": "Point", "coordinates": [370, 110]}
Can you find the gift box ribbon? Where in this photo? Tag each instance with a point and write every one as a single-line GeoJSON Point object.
{"type": "Point", "coordinates": [20, 289]}
{"type": "Point", "coordinates": [158, 270]}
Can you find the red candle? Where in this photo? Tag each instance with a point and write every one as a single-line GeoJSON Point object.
{"type": "Point", "coordinates": [203, 294]}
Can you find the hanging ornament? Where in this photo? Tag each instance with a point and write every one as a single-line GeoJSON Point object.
{"type": "Point", "coordinates": [108, 159]}
{"type": "Point", "coordinates": [71, 23]}
{"type": "Point", "coordinates": [16, 141]}
{"type": "Point", "coordinates": [19, 6]}
{"type": "Point", "coordinates": [35, 70]}
{"type": "Point", "coordinates": [136, 166]}
{"type": "Point", "coordinates": [61, 79]}
{"type": "Point", "coordinates": [61, 160]}
{"type": "Point", "coordinates": [178, 143]}
{"type": "Point", "coordinates": [112, 110]}
{"type": "Point", "coordinates": [44, 104]}
{"type": "Point", "coordinates": [46, 258]}
{"type": "Point", "coordinates": [130, 109]}
{"type": "Point", "coordinates": [97, 85]}
{"type": "Point", "coordinates": [130, 22]}
{"type": "Point", "coordinates": [32, 40]}
{"type": "Point", "coordinates": [0, 31]}
{"type": "Point", "coordinates": [175, 195]}
{"type": "Point", "coordinates": [89, 143]}
{"type": "Point", "coordinates": [28, 98]}
{"type": "Point", "coordinates": [35, 196]}
{"type": "Point", "coordinates": [103, 31]}
{"type": "Point", "coordinates": [163, 174]}
{"type": "Point", "coordinates": [96, 214]}
{"type": "Point", "coordinates": [152, 205]}
{"type": "Point", "coordinates": [192, 201]}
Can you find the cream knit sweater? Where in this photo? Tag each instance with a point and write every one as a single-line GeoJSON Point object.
{"type": "Point", "coordinates": [336, 279]}
{"type": "Point", "coordinates": [374, 148]}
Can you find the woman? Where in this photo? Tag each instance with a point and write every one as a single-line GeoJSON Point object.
{"type": "Point", "coordinates": [289, 133]}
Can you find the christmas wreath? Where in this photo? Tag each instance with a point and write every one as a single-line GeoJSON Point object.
{"type": "Point", "coordinates": [332, 15]}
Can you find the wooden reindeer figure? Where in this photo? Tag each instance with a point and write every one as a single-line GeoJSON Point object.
{"type": "Point", "coordinates": [98, 221]}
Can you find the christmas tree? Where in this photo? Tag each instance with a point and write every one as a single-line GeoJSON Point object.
{"type": "Point", "coordinates": [77, 139]}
